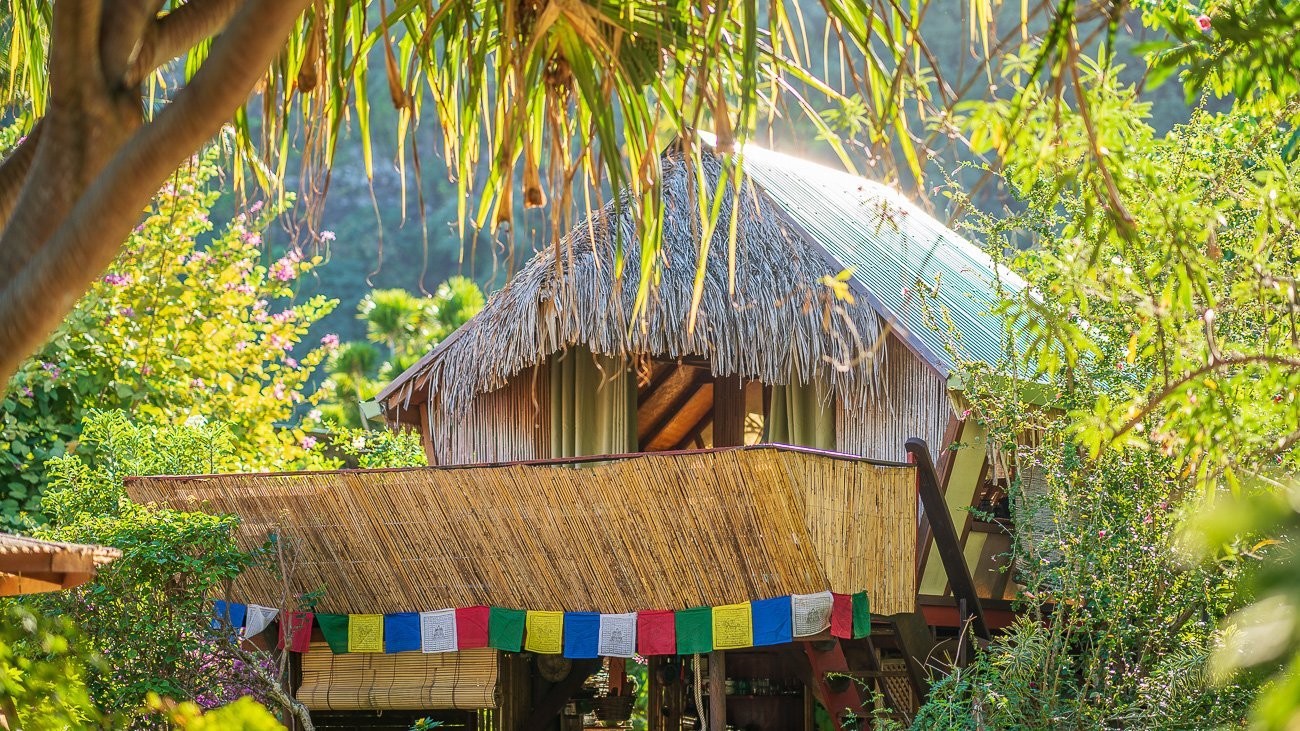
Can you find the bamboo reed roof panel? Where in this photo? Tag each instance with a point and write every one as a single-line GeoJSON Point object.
{"type": "Point", "coordinates": [654, 531]}
{"type": "Point", "coordinates": [31, 566]}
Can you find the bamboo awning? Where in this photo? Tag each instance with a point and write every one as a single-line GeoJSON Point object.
{"type": "Point", "coordinates": [31, 566]}
{"type": "Point", "coordinates": [611, 534]}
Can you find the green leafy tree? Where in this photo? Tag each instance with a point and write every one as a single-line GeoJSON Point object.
{"type": "Point", "coordinates": [191, 320]}
{"type": "Point", "coordinates": [408, 327]}
{"type": "Point", "coordinates": [42, 672]}
{"type": "Point", "coordinates": [148, 614]}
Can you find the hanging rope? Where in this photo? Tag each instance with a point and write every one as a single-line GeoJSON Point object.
{"type": "Point", "coordinates": [699, 692]}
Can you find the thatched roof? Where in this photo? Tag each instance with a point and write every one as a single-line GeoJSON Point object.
{"type": "Point", "coordinates": [660, 531]}
{"type": "Point", "coordinates": [30, 565]}
{"type": "Point", "coordinates": [798, 223]}
{"type": "Point", "coordinates": [782, 325]}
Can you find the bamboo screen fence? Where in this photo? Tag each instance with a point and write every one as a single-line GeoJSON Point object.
{"type": "Point", "coordinates": [351, 682]}
{"type": "Point", "coordinates": [654, 531]}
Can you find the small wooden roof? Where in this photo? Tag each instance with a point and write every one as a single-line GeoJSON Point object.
{"type": "Point", "coordinates": [31, 566]}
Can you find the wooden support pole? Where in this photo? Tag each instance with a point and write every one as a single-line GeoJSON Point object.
{"type": "Point", "coordinates": [728, 412]}
{"type": "Point", "coordinates": [717, 691]}
{"type": "Point", "coordinates": [945, 536]}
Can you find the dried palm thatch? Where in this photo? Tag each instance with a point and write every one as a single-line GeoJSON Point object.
{"type": "Point", "coordinates": [781, 325]}
{"type": "Point", "coordinates": [657, 531]}
{"type": "Point", "coordinates": [31, 566]}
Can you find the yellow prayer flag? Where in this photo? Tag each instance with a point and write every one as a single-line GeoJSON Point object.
{"type": "Point", "coordinates": [365, 633]}
{"type": "Point", "coordinates": [733, 627]}
{"type": "Point", "coordinates": [544, 632]}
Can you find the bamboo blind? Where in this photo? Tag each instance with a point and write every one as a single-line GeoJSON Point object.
{"type": "Point", "coordinates": [911, 400]}
{"type": "Point", "coordinates": [401, 681]}
{"type": "Point", "coordinates": [657, 531]}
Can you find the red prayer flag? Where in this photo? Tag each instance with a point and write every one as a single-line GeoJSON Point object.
{"type": "Point", "coordinates": [471, 627]}
{"type": "Point", "coordinates": [297, 625]}
{"type": "Point", "coordinates": [842, 616]}
{"type": "Point", "coordinates": [656, 632]}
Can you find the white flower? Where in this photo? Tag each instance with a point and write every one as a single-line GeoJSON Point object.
{"type": "Point", "coordinates": [359, 443]}
{"type": "Point", "coordinates": [314, 415]}
{"type": "Point", "coordinates": [196, 421]}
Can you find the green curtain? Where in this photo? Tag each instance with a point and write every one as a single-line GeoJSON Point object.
{"type": "Point", "coordinates": [801, 415]}
{"type": "Point", "coordinates": [593, 404]}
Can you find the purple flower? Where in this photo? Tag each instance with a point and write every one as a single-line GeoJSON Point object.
{"type": "Point", "coordinates": [52, 369]}
{"type": "Point", "coordinates": [126, 311]}
{"type": "Point", "coordinates": [117, 280]}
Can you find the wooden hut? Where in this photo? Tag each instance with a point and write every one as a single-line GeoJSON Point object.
{"type": "Point", "coordinates": [33, 566]}
{"type": "Point", "coordinates": [590, 457]}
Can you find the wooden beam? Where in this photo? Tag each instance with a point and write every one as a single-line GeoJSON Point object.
{"type": "Point", "coordinates": [728, 412]}
{"type": "Point", "coordinates": [718, 691]}
{"type": "Point", "coordinates": [550, 705]}
{"type": "Point", "coordinates": [912, 635]}
{"type": "Point", "coordinates": [681, 420]}
{"type": "Point", "coordinates": [945, 535]}
{"type": "Point", "coordinates": [951, 436]}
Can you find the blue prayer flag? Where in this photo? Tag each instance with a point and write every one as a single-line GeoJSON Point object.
{"type": "Point", "coordinates": [401, 632]}
{"type": "Point", "coordinates": [581, 634]}
{"type": "Point", "coordinates": [228, 611]}
{"type": "Point", "coordinates": [772, 621]}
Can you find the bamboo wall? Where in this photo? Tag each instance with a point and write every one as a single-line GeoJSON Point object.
{"type": "Point", "coordinates": [406, 680]}
{"type": "Point", "coordinates": [509, 424]}
{"type": "Point", "coordinates": [911, 401]}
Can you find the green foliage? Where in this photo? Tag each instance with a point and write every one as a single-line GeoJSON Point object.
{"type": "Point", "coordinates": [244, 714]}
{"type": "Point", "coordinates": [42, 670]}
{"type": "Point", "coordinates": [147, 614]}
{"type": "Point", "coordinates": [187, 321]}
{"type": "Point", "coordinates": [407, 327]}
{"type": "Point", "coordinates": [381, 449]}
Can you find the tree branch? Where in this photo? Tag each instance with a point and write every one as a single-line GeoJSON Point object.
{"type": "Point", "coordinates": [175, 33]}
{"type": "Point", "coordinates": [35, 298]}
{"type": "Point", "coordinates": [13, 171]}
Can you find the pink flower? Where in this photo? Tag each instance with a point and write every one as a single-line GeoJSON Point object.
{"type": "Point", "coordinates": [117, 280]}
{"type": "Point", "coordinates": [252, 238]}
{"type": "Point", "coordinates": [330, 341]}
{"type": "Point", "coordinates": [283, 270]}
{"type": "Point", "coordinates": [257, 206]}
{"type": "Point", "coordinates": [276, 341]}
{"type": "Point", "coordinates": [288, 315]}
{"type": "Point", "coordinates": [291, 362]}
{"type": "Point", "coordinates": [1101, 533]}
{"type": "Point", "coordinates": [308, 442]}
{"type": "Point", "coordinates": [1203, 22]}
{"type": "Point", "coordinates": [327, 236]}
{"type": "Point", "coordinates": [279, 391]}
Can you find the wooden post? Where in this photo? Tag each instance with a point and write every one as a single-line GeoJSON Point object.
{"type": "Point", "coordinates": [717, 691]}
{"type": "Point", "coordinates": [728, 412]}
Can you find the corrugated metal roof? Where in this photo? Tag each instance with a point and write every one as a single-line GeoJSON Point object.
{"type": "Point", "coordinates": [891, 245]}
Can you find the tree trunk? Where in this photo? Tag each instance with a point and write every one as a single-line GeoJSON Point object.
{"type": "Point", "coordinates": [96, 164]}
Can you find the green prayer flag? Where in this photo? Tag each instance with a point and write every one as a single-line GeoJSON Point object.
{"type": "Point", "coordinates": [861, 615]}
{"type": "Point", "coordinates": [335, 629]}
{"type": "Point", "coordinates": [506, 628]}
{"type": "Point", "coordinates": [694, 630]}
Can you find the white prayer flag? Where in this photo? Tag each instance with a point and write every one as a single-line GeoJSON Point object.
{"type": "Point", "coordinates": [438, 631]}
{"type": "Point", "coordinates": [258, 619]}
{"type": "Point", "coordinates": [617, 635]}
{"type": "Point", "coordinates": [812, 612]}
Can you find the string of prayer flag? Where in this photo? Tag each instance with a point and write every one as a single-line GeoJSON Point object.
{"type": "Point", "coordinates": [228, 614]}
{"type": "Point", "coordinates": [842, 617]}
{"type": "Point", "coordinates": [295, 631]}
{"type": "Point", "coordinates": [258, 619]}
{"type": "Point", "coordinates": [438, 631]}
{"type": "Point", "coordinates": [506, 629]}
{"type": "Point", "coordinates": [581, 635]}
{"type": "Point", "coordinates": [401, 632]}
{"type": "Point", "coordinates": [772, 621]}
{"type": "Point", "coordinates": [545, 632]}
{"type": "Point", "coordinates": [365, 633]}
{"type": "Point", "coordinates": [617, 635]}
{"type": "Point", "coordinates": [656, 632]}
{"type": "Point", "coordinates": [694, 628]}
{"type": "Point", "coordinates": [334, 627]}
{"type": "Point", "coordinates": [861, 615]}
{"type": "Point", "coordinates": [472, 625]}
{"type": "Point", "coordinates": [733, 627]}
{"type": "Point", "coordinates": [811, 613]}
